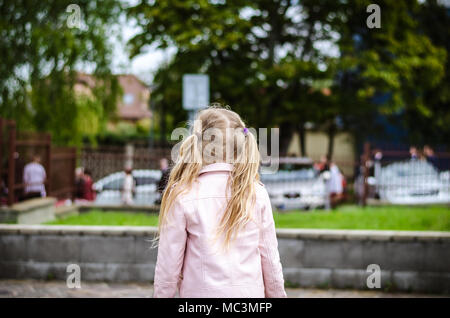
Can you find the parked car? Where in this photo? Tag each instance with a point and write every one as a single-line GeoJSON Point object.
{"type": "Point", "coordinates": [109, 188]}
{"type": "Point", "coordinates": [412, 182]}
{"type": "Point", "coordinates": [296, 185]}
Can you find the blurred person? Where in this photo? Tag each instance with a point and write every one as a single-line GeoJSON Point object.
{"type": "Point", "coordinates": [128, 187]}
{"type": "Point", "coordinates": [334, 185]}
{"type": "Point", "coordinates": [165, 172]}
{"type": "Point", "coordinates": [377, 170]}
{"type": "Point", "coordinates": [430, 156]}
{"type": "Point", "coordinates": [358, 185]}
{"type": "Point", "coordinates": [322, 165]}
{"type": "Point", "coordinates": [3, 193]}
{"type": "Point", "coordinates": [378, 156]}
{"type": "Point", "coordinates": [216, 229]}
{"type": "Point", "coordinates": [414, 153]}
{"type": "Point", "coordinates": [34, 177]}
{"type": "Point", "coordinates": [88, 190]}
{"type": "Point", "coordinates": [79, 186]}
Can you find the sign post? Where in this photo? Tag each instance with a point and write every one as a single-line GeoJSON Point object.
{"type": "Point", "coordinates": [195, 93]}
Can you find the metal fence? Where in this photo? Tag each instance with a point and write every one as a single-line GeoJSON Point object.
{"type": "Point", "coordinates": [386, 175]}
{"type": "Point", "coordinates": [297, 184]}
{"type": "Point", "coordinates": [300, 183]}
{"type": "Point", "coordinates": [397, 177]}
{"type": "Point", "coordinates": [107, 165]}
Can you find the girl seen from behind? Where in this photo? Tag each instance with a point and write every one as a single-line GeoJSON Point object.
{"type": "Point", "coordinates": [216, 229]}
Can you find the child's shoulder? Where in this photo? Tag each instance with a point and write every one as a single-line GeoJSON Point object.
{"type": "Point", "coordinates": [259, 184]}
{"type": "Point", "coordinates": [262, 196]}
{"type": "Point", "coordinates": [182, 191]}
{"type": "Point", "coordinates": [260, 189]}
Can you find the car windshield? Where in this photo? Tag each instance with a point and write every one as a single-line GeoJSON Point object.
{"type": "Point", "coordinates": [116, 184]}
{"type": "Point", "coordinates": [294, 167]}
{"type": "Point", "coordinates": [145, 180]}
{"type": "Point", "coordinates": [290, 171]}
{"type": "Point", "coordinates": [409, 169]}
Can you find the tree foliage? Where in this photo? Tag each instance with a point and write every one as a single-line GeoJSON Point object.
{"type": "Point", "coordinates": [391, 70]}
{"type": "Point", "coordinates": [264, 59]}
{"type": "Point", "coordinates": [40, 54]}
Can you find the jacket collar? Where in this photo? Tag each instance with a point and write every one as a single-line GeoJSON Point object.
{"type": "Point", "coordinates": [215, 167]}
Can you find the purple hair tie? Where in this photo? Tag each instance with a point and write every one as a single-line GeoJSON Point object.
{"type": "Point", "coordinates": [245, 131]}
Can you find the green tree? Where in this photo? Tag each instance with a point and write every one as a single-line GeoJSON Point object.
{"type": "Point", "coordinates": [389, 70]}
{"type": "Point", "coordinates": [434, 19]}
{"type": "Point", "coordinates": [259, 55]}
{"type": "Point", "coordinates": [41, 52]}
{"type": "Point", "coordinates": [264, 60]}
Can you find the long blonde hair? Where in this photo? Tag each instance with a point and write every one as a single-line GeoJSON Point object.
{"type": "Point", "coordinates": [244, 155]}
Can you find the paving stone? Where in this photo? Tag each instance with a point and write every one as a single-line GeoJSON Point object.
{"type": "Point", "coordinates": [58, 289]}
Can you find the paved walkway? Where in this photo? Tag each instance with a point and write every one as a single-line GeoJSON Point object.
{"type": "Point", "coordinates": [35, 288]}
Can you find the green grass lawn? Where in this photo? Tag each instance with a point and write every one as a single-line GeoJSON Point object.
{"type": "Point", "coordinates": [430, 218]}
{"type": "Point", "coordinates": [97, 217]}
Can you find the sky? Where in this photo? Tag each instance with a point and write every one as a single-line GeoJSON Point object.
{"type": "Point", "coordinates": [144, 65]}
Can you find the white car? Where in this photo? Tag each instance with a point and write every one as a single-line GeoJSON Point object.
{"type": "Point", "coordinates": [109, 188]}
{"type": "Point", "coordinates": [296, 185]}
{"type": "Point", "coordinates": [412, 182]}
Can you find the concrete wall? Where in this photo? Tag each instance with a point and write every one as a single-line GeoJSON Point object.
{"type": "Point", "coordinates": [409, 261]}
{"type": "Point", "coordinates": [32, 211]}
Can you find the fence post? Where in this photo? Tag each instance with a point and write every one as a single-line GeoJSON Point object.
{"type": "Point", "coordinates": [1, 149]}
{"type": "Point", "coordinates": [11, 161]}
{"type": "Point", "coordinates": [366, 158]}
{"type": "Point", "coordinates": [74, 166]}
{"type": "Point", "coordinates": [48, 154]}
{"type": "Point", "coordinates": [129, 156]}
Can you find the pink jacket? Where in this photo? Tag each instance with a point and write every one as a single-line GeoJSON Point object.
{"type": "Point", "coordinates": [189, 261]}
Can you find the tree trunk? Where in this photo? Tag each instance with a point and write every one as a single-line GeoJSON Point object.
{"type": "Point", "coordinates": [331, 134]}
{"type": "Point", "coordinates": [163, 125]}
{"type": "Point", "coordinates": [286, 131]}
{"type": "Point", "coordinates": [302, 138]}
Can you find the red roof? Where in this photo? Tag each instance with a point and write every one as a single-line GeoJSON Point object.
{"type": "Point", "coordinates": [134, 104]}
{"type": "Point", "coordinates": [135, 100]}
